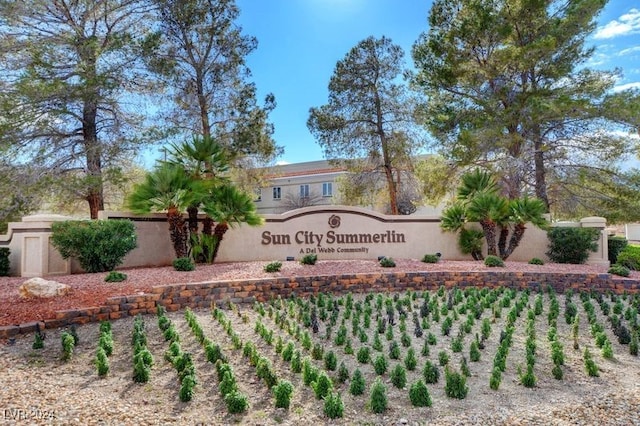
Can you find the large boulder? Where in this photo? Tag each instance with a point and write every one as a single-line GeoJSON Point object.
{"type": "Point", "coordinates": [39, 287]}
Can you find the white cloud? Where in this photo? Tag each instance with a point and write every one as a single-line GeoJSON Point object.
{"type": "Point", "coordinates": [627, 24]}
{"type": "Point", "coordinates": [620, 88]}
{"type": "Point", "coordinates": [628, 51]}
{"type": "Point", "coordinates": [282, 163]}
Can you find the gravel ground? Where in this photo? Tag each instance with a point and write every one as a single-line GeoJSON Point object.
{"type": "Point", "coordinates": [42, 389]}
{"type": "Point", "coordinates": [91, 290]}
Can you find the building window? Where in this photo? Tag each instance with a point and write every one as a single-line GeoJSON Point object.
{"type": "Point", "coordinates": [277, 192]}
{"type": "Point", "coordinates": [327, 189]}
{"type": "Point", "coordinates": [304, 191]}
{"type": "Point", "coordinates": [257, 195]}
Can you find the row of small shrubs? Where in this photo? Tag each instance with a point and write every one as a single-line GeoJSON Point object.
{"type": "Point", "coordinates": [105, 348]}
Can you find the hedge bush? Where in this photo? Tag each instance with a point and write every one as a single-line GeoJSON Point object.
{"type": "Point", "coordinates": [4, 261]}
{"type": "Point", "coordinates": [99, 245]}
{"type": "Point", "coordinates": [615, 245]}
{"type": "Point", "coordinates": [572, 245]}
{"type": "Point", "coordinates": [630, 257]}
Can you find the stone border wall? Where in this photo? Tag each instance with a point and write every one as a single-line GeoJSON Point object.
{"type": "Point", "coordinates": [201, 295]}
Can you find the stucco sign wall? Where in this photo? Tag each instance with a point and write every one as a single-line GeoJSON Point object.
{"type": "Point", "coordinates": [335, 233]}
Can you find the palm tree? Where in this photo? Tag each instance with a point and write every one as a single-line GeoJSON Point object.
{"type": "Point", "coordinates": [479, 201]}
{"type": "Point", "coordinates": [167, 188]}
{"type": "Point", "coordinates": [202, 158]}
{"type": "Point", "coordinates": [229, 206]}
{"type": "Point", "coordinates": [522, 211]}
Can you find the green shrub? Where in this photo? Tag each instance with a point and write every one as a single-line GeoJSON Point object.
{"type": "Point", "coordinates": [528, 379]}
{"type": "Point", "coordinates": [615, 245]}
{"type": "Point", "coordinates": [536, 261]}
{"type": "Point", "coordinates": [443, 358]}
{"type": "Point", "coordinates": [380, 365]}
{"type": "Point", "coordinates": [493, 261]}
{"type": "Point", "coordinates": [322, 386]}
{"type": "Point", "coordinates": [455, 384]}
{"type": "Point", "coordinates": [68, 344]}
{"type": "Point", "coordinates": [496, 378]}
{"type": "Point", "coordinates": [141, 372]}
{"type": "Point", "coordinates": [557, 372]}
{"type": "Point", "coordinates": [333, 405]}
{"type": "Point", "coordinates": [106, 343]}
{"type": "Point", "coordinates": [399, 376]}
{"type": "Point", "coordinates": [387, 262]}
{"type": "Point", "coordinates": [236, 402]}
{"type": "Point", "coordinates": [419, 395]}
{"type": "Point", "coordinates": [590, 365]}
{"type": "Point", "coordinates": [410, 360]}
{"type": "Point", "coordinates": [228, 383]}
{"type": "Point", "coordinates": [309, 372]}
{"type": "Point", "coordinates": [394, 350]}
{"type": "Point", "coordinates": [115, 277]}
{"type": "Point", "coordinates": [571, 245]}
{"type": "Point", "coordinates": [630, 257]}
{"type": "Point", "coordinates": [330, 361]}
{"type": "Point", "coordinates": [309, 259]}
{"type": "Point", "coordinates": [183, 264]}
{"type": "Point", "coordinates": [363, 355]}
{"type": "Point", "coordinates": [358, 384]}
{"type": "Point", "coordinates": [296, 361]}
{"type": "Point", "coordinates": [430, 372]}
{"type": "Point", "coordinates": [378, 398]}
{"type": "Point", "coordinates": [102, 362]}
{"type": "Point", "coordinates": [283, 391]}
{"type": "Point", "coordinates": [620, 270]}
{"type": "Point", "coordinates": [38, 340]}
{"type": "Point", "coordinates": [343, 373]}
{"type": "Point", "coordinates": [4, 261]}
{"type": "Point", "coordinates": [99, 245]}
{"type": "Point", "coordinates": [273, 266]}
{"type": "Point", "coordinates": [430, 258]}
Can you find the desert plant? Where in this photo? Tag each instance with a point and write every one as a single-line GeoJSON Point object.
{"type": "Point", "coordinates": [309, 259]}
{"type": "Point", "coordinates": [474, 351]}
{"type": "Point", "coordinates": [358, 383]}
{"type": "Point", "coordinates": [309, 372]}
{"type": "Point", "coordinates": [68, 344]}
{"type": "Point", "coordinates": [183, 264]}
{"type": "Point", "coordinates": [620, 270]}
{"type": "Point", "coordinates": [571, 245]}
{"type": "Point", "coordinates": [536, 261]}
{"type": "Point", "coordinates": [410, 360]}
{"type": "Point", "coordinates": [115, 277]}
{"type": "Point", "coordinates": [236, 402]}
{"type": "Point", "coordinates": [394, 350]}
{"type": "Point", "coordinates": [343, 373]}
{"type": "Point", "coordinates": [364, 355]}
{"type": "Point", "coordinates": [633, 344]}
{"type": "Point", "coordinates": [528, 379]}
{"type": "Point", "coordinates": [378, 397]}
{"type": "Point", "coordinates": [38, 340]}
{"type": "Point", "coordinates": [99, 245]}
{"type": "Point", "coordinates": [333, 405]}
{"type": "Point", "coordinates": [430, 372]}
{"type": "Point", "coordinates": [455, 384]}
{"type": "Point", "coordinates": [443, 358]}
{"type": "Point", "coordinates": [557, 372]}
{"type": "Point", "coordinates": [430, 258]}
{"type": "Point", "coordinates": [283, 392]}
{"type": "Point", "coordinates": [399, 376]}
{"type": "Point", "coordinates": [419, 394]}
{"type": "Point", "coordinates": [330, 361]}
{"type": "Point", "coordinates": [380, 365]}
{"type": "Point", "coordinates": [495, 379]}
{"type": "Point", "coordinates": [141, 371]}
{"type": "Point", "coordinates": [106, 343]}
{"type": "Point", "coordinates": [493, 261]}
{"type": "Point", "coordinates": [102, 362]}
{"type": "Point", "coordinates": [387, 262]}
{"type": "Point", "coordinates": [228, 383]}
{"type": "Point", "coordinates": [273, 266]}
{"type": "Point", "coordinates": [589, 364]}
{"type": "Point", "coordinates": [322, 386]}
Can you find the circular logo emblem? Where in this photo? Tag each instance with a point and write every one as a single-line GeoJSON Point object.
{"type": "Point", "coordinates": [334, 221]}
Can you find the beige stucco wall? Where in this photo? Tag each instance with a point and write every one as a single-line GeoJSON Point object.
{"type": "Point", "coordinates": [298, 232]}
{"type": "Point", "coordinates": [331, 232]}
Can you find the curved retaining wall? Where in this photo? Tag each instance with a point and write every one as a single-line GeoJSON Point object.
{"type": "Point", "coordinates": [201, 295]}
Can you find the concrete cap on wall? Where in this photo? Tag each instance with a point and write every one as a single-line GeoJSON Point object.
{"type": "Point", "coordinates": [593, 222]}
{"type": "Point", "coordinates": [46, 218]}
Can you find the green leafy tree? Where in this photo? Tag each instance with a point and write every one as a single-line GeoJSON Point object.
{"type": "Point", "coordinates": [67, 67]}
{"type": "Point", "coordinates": [200, 56]}
{"type": "Point", "coordinates": [506, 88]}
{"type": "Point", "coordinates": [370, 115]}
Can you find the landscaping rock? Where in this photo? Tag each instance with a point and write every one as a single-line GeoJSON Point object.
{"type": "Point", "coordinates": [39, 287]}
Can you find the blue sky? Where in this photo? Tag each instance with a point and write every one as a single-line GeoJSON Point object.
{"type": "Point", "coordinates": [300, 41]}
